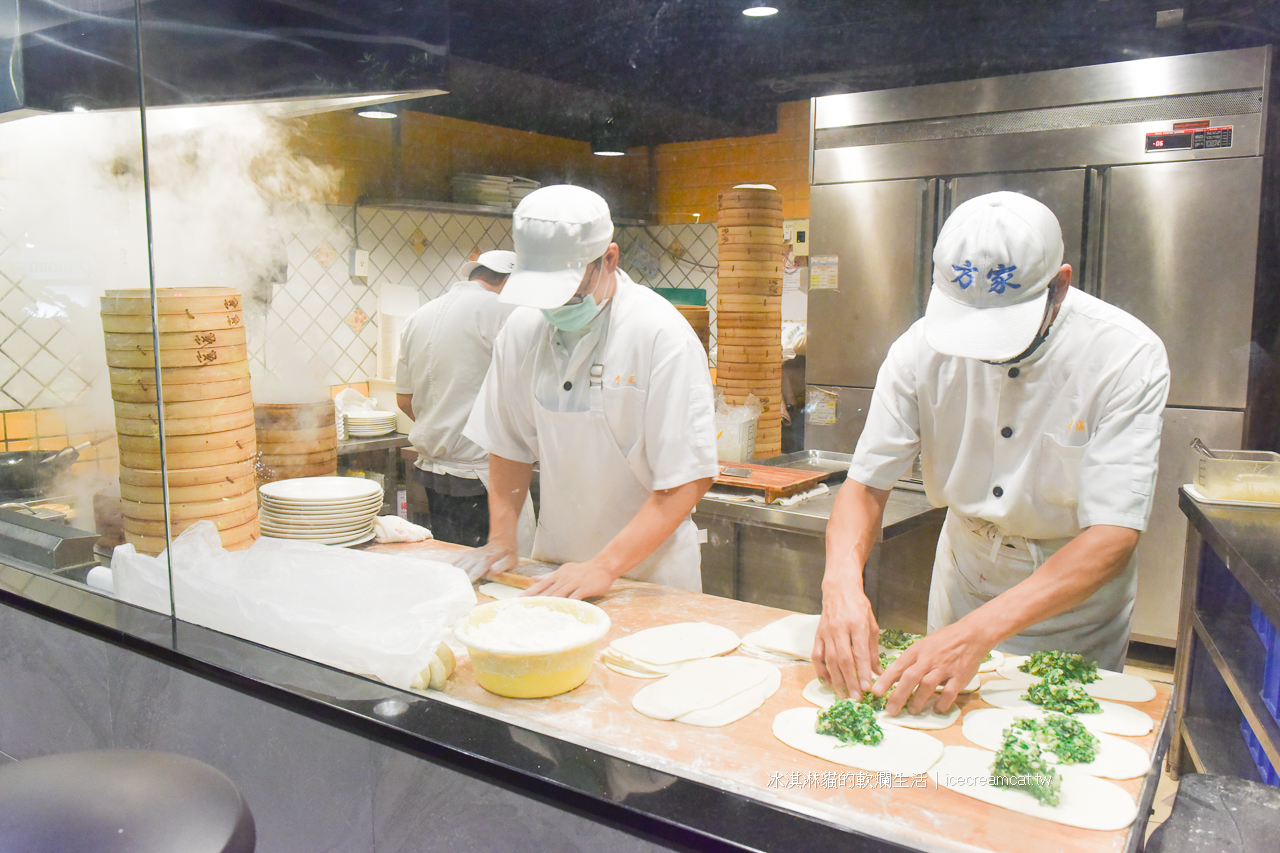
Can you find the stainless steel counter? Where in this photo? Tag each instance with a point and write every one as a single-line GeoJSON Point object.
{"type": "Point", "coordinates": [775, 555]}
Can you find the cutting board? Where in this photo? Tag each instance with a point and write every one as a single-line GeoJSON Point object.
{"type": "Point", "coordinates": [773, 482]}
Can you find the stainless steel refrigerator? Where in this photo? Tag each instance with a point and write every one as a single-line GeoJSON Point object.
{"type": "Point", "coordinates": [1157, 169]}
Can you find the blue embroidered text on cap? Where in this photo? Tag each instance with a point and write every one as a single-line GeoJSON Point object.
{"type": "Point", "coordinates": [999, 278]}
{"type": "Point", "coordinates": [966, 274]}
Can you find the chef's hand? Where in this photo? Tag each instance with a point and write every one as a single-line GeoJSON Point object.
{"type": "Point", "coordinates": [491, 559]}
{"type": "Point", "coordinates": [949, 657]}
{"type": "Point", "coordinates": [574, 580]}
{"type": "Point", "coordinates": [846, 648]}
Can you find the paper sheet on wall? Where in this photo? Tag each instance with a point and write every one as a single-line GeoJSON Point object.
{"type": "Point", "coordinates": [823, 272]}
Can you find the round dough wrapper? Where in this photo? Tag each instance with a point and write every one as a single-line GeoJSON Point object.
{"type": "Point", "coordinates": [824, 697]}
{"type": "Point", "coordinates": [733, 709]}
{"type": "Point", "coordinates": [700, 685]}
{"type": "Point", "coordinates": [1117, 686]}
{"type": "Point", "coordinates": [791, 636]}
{"type": "Point", "coordinates": [676, 643]}
{"type": "Point", "coordinates": [499, 590]}
{"type": "Point", "coordinates": [903, 751]}
{"type": "Point", "coordinates": [1116, 758]}
{"type": "Point", "coordinates": [1114, 719]}
{"type": "Point", "coordinates": [1084, 801]}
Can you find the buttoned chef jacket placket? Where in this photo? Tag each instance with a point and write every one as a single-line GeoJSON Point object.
{"type": "Point", "coordinates": [589, 491]}
{"type": "Point", "coordinates": [975, 561]}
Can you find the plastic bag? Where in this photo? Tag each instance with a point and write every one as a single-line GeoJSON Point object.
{"type": "Point", "coordinates": [736, 429]}
{"type": "Point", "coordinates": [371, 614]}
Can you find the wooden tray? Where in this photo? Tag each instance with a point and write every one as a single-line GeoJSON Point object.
{"type": "Point", "coordinates": [774, 482]}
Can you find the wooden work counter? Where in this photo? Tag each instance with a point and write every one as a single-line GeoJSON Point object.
{"type": "Point", "coordinates": [746, 758]}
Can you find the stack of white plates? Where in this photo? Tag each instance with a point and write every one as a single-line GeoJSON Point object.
{"type": "Point", "coordinates": [328, 510]}
{"type": "Point", "coordinates": [368, 424]}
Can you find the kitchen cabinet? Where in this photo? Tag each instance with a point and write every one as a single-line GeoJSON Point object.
{"type": "Point", "coordinates": [1232, 563]}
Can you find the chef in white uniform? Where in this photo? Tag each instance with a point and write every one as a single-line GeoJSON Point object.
{"type": "Point", "coordinates": [602, 383]}
{"type": "Point", "coordinates": [1036, 411]}
{"type": "Point", "coordinates": [445, 350]}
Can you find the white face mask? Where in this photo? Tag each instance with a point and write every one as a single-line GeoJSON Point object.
{"type": "Point", "coordinates": [576, 315]}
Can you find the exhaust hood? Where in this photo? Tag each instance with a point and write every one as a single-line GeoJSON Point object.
{"type": "Point", "coordinates": [314, 54]}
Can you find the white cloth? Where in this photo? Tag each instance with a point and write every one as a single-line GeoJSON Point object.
{"type": "Point", "coordinates": [1083, 415]}
{"type": "Point", "coordinates": [393, 528]}
{"type": "Point", "coordinates": [649, 417]}
{"type": "Point", "coordinates": [445, 350]}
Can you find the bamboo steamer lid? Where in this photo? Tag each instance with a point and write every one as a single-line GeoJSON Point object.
{"type": "Point", "coordinates": [233, 538]}
{"type": "Point", "coordinates": [731, 303]}
{"type": "Point", "coordinates": [178, 357]}
{"type": "Point", "coordinates": [728, 371]}
{"type": "Point", "coordinates": [758, 269]}
{"type": "Point", "coordinates": [754, 355]}
{"type": "Point", "coordinates": [145, 391]}
{"type": "Point", "coordinates": [286, 416]}
{"type": "Point", "coordinates": [294, 472]}
{"type": "Point", "coordinates": [152, 478]}
{"type": "Point", "coordinates": [144, 342]}
{"type": "Point", "coordinates": [749, 287]}
{"type": "Point", "coordinates": [749, 235]}
{"type": "Point", "coordinates": [752, 197]}
{"type": "Point", "coordinates": [297, 458]}
{"type": "Point", "coordinates": [298, 447]}
{"type": "Point", "coordinates": [135, 323]}
{"type": "Point", "coordinates": [242, 438]}
{"type": "Point", "coordinates": [129, 377]}
{"type": "Point", "coordinates": [748, 252]}
{"type": "Point", "coordinates": [184, 460]}
{"type": "Point", "coordinates": [156, 527]}
{"type": "Point", "coordinates": [763, 320]}
{"type": "Point", "coordinates": [186, 426]}
{"type": "Point", "coordinates": [188, 494]}
{"type": "Point", "coordinates": [172, 300]}
{"type": "Point", "coordinates": [748, 218]}
{"type": "Point", "coordinates": [195, 408]}
{"type": "Point", "coordinates": [326, 435]}
{"type": "Point", "coordinates": [196, 510]}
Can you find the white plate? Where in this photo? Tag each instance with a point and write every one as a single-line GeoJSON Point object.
{"type": "Point", "coordinates": [1201, 497]}
{"type": "Point", "coordinates": [311, 490]}
{"type": "Point", "coordinates": [320, 511]}
{"type": "Point", "coordinates": [346, 539]}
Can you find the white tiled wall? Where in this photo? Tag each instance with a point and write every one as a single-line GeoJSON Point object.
{"type": "Point", "coordinates": [320, 320]}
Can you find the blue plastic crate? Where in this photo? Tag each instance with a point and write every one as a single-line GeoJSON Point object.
{"type": "Point", "coordinates": [1271, 668]}
{"type": "Point", "coordinates": [1265, 770]}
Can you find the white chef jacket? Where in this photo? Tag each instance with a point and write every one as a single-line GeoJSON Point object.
{"type": "Point", "coordinates": [1063, 440]}
{"type": "Point", "coordinates": [663, 420]}
{"type": "Point", "coordinates": [445, 350]}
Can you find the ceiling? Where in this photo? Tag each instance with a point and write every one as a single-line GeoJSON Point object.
{"type": "Point", "coordinates": [676, 70]}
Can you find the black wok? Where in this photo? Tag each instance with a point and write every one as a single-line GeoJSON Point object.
{"type": "Point", "coordinates": [33, 470]}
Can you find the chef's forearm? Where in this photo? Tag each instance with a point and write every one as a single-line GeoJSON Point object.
{"type": "Point", "coordinates": [1080, 568]}
{"type": "Point", "coordinates": [508, 484]}
{"type": "Point", "coordinates": [656, 520]}
{"type": "Point", "coordinates": [853, 530]}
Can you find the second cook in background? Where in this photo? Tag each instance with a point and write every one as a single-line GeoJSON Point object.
{"type": "Point", "coordinates": [1036, 411]}
{"type": "Point", "coordinates": [607, 388]}
{"type": "Point", "coordinates": [445, 350]}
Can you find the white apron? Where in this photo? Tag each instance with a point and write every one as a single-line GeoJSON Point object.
{"type": "Point", "coordinates": [588, 490]}
{"type": "Point", "coordinates": [975, 562]}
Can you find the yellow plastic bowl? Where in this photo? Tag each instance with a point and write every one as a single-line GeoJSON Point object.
{"type": "Point", "coordinates": [524, 674]}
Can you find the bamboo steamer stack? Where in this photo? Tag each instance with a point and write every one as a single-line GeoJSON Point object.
{"type": "Point", "coordinates": [208, 413]}
{"type": "Point", "coordinates": [749, 307]}
{"type": "Point", "coordinates": [296, 440]}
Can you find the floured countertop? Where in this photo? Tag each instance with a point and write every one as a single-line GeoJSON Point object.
{"type": "Point", "coordinates": [746, 758]}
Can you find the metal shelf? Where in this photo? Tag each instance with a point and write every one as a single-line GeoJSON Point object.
{"type": "Point", "coordinates": [1237, 654]}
